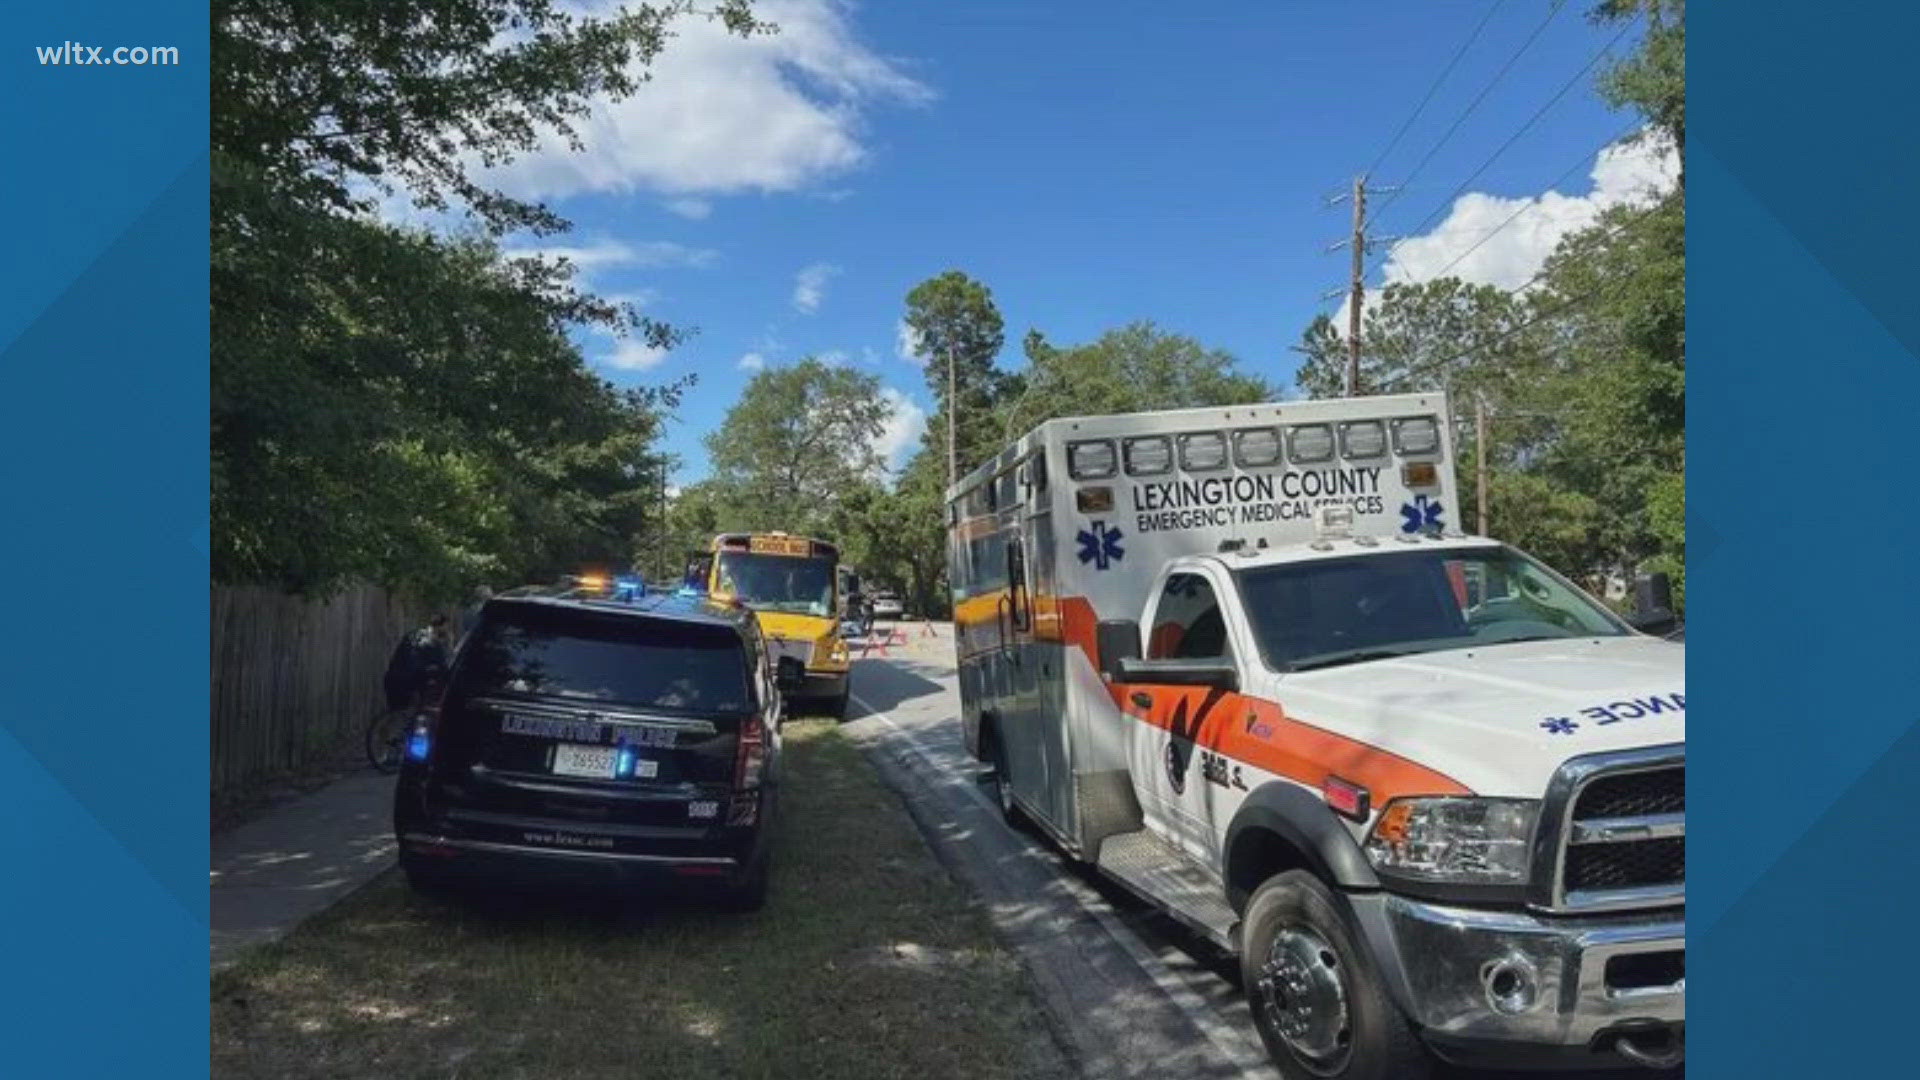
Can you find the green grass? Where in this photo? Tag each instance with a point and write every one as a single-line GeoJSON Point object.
{"type": "Point", "coordinates": [867, 962]}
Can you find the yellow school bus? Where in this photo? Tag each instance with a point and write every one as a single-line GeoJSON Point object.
{"type": "Point", "coordinates": [792, 585]}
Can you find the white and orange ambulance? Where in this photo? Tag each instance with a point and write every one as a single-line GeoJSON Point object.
{"type": "Point", "coordinates": [1242, 661]}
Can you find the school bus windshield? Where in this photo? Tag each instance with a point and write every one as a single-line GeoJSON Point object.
{"type": "Point", "coordinates": [778, 582]}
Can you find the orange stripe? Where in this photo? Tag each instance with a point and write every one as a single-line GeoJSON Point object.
{"type": "Point", "coordinates": [1225, 722]}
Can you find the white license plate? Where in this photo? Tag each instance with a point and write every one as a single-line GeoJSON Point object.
{"type": "Point", "coordinates": [573, 760]}
{"type": "Point", "coordinates": [598, 762]}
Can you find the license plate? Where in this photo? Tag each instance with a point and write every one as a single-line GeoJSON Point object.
{"type": "Point", "coordinates": [594, 761]}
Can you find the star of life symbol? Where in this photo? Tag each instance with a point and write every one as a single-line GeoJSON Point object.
{"type": "Point", "coordinates": [1560, 725]}
{"type": "Point", "coordinates": [1100, 545]}
{"type": "Point", "coordinates": [1421, 515]}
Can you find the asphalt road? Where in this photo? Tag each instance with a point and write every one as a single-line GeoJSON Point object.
{"type": "Point", "coordinates": [1130, 992]}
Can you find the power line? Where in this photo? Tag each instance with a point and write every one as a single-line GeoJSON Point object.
{"type": "Point", "coordinates": [1567, 305]}
{"type": "Point", "coordinates": [1475, 103]}
{"type": "Point", "coordinates": [1431, 90]}
{"type": "Point", "coordinates": [1447, 202]}
{"type": "Point", "coordinates": [1532, 204]}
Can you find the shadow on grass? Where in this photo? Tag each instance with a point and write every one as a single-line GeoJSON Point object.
{"type": "Point", "coordinates": [866, 962]}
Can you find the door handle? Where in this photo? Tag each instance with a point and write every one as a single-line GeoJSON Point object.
{"type": "Point", "coordinates": [1143, 699]}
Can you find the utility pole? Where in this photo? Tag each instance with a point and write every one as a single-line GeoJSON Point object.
{"type": "Point", "coordinates": [1480, 453]}
{"type": "Point", "coordinates": [1359, 244]}
{"type": "Point", "coordinates": [1358, 298]}
{"type": "Point", "coordinates": [664, 567]}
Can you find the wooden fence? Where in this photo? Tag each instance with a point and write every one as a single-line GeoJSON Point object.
{"type": "Point", "coordinates": [296, 680]}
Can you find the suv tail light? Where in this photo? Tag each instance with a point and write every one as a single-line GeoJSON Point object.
{"type": "Point", "coordinates": [419, 742]}
{"type": "Point", "coordinates": [752, 754]}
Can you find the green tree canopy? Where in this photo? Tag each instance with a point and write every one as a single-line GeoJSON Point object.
{"type": "Point", "coordinates": [953, 320]}
{"type": "Point", "coordinates": [1136, 368]}
{"type": "Point", "coordinates": [386, 404]}
{"type": "Point", "coordinates": [798, 437]}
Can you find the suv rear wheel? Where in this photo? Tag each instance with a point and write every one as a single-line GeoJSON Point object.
{"type": "Point", "coordinates": [750, 893]}
{"type": "Point", "coordinates": [1319, 1005]}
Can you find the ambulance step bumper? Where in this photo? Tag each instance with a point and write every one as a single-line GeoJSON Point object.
{"type": "Point", "coordinates": [1153, 870]}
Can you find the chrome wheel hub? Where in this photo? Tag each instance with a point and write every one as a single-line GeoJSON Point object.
{"type": "Point", "coordinates": [1303, 996]}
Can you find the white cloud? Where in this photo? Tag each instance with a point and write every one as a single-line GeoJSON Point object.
{"type": "Point", "coordinates": [604, 254]}
{"type": "Point", "coordinates": [906, 342]}
{"type": "Point", "coordinates": [690, 208]}
{"type": "Point", "coordinates": [1478, 244]}
{"type": "Point", "coordinates": [833, 358]}
{"type": "Point", "coordinates": [632, 354]}
{"type": "Point", "coordinates": [753, 361]}
{"type": "Point", "coordinates": [904, 426]}
{"type": "Point", "coordinates": [869, 357]}
{"type": "Point", "coordinates": [810, 286]}
{"type": "Point", "coordinates": [774, 112]}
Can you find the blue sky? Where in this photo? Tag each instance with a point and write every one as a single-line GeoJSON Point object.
{"type": "Point", "coordinates": [1092, 163]}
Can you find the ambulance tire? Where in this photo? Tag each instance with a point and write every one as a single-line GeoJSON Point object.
{"type": "Point", "coordinates": [1322, 952]}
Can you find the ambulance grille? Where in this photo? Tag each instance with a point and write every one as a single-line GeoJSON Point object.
{"type": "Point", "coordinates": [1661, 791]}
{"type": "Point", "coordinates": [1614, 833]}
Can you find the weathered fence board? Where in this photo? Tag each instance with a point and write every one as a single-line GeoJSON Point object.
{"type": "Point", "coordinates": [295, 679]}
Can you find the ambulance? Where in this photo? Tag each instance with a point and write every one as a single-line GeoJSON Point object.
{"type": "Point", "coordinates": [1244, 663]}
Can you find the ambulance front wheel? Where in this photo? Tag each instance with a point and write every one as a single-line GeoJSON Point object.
{"type": "Point", "coordinates": [1319, 1004]}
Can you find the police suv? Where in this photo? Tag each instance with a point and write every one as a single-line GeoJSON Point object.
{"type": "Point", "coordinates": [591, 734]}
{"type": "Point", "coordinates": [1431, 792]}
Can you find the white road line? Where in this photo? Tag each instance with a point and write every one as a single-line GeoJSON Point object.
{"type": "Point", "coordinates": [1224, 1036]}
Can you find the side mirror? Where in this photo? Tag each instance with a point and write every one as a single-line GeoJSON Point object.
{"type": "Point", "coordinates": [1653, 605]}
{"type": "Point", "coordinates": [1118, 640]}
{"type": "Point", "coordinates": [789, 674]}
{"type": "Point", "coordinates": [1217, 672]}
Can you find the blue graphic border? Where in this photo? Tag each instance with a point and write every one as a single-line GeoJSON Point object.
{"type": "Point", "coordinates": [103, 455]}
{"type": "Point", "coordinates": [1802, 578]}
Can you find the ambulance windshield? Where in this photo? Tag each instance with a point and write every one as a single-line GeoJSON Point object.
{"type": "Point", "coordinates": [1328, 612]}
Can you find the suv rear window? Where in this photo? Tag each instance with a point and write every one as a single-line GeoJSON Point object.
{"type": "Point", "coordinates": [617, 659]}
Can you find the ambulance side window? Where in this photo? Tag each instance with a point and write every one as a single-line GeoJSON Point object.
{"type": "Point", "coordinates": [1187, 622]}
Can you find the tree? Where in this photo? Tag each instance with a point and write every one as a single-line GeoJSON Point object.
{"type": "Point", "coordinates": [386, 404]}
{"type": "Point", "coordinates": [1653, 80]}
{"type": "Point", "coordinates": [431, 435]}
{"type": "Point", "coordinates": [321, 101]}
{"type": "Point", "coordinates": [899, 533]}
{"type": "Point", "coordinates": [1439, 334]}
{"type": "Point", "coordinates": [1136, 368]}
{"type": "Point", "coordinates": [953, 320]}
{"type": "Point", "coordinates": [797, 438]}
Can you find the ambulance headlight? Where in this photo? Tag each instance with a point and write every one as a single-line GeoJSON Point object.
{"type": "Point", "coordinates": [1363, 439]}
{"type": "Point", "coordinates": [1416, 435]}
{"type": "Point", "coordinates": [1310, 443]}
{"type": "Point", "coordinates": [1464, 841]}
{"type": "Point", "coordinates": [1091, 460]}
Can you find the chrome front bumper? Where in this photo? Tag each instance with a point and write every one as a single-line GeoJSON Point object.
{"type": "Point", "coordinates": [1487, 979]}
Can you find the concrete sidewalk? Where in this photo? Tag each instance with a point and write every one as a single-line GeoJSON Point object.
{"type": "Point", "coordinates": [296, 860]}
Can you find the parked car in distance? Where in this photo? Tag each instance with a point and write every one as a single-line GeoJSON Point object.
{"type": "Point", "coordinates": [629, 743]}
{"type": "Point", "coordinates": [887, 605]}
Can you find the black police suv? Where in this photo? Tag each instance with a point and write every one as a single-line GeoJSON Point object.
{"type": "Point", "coordinates": [584, 739]}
